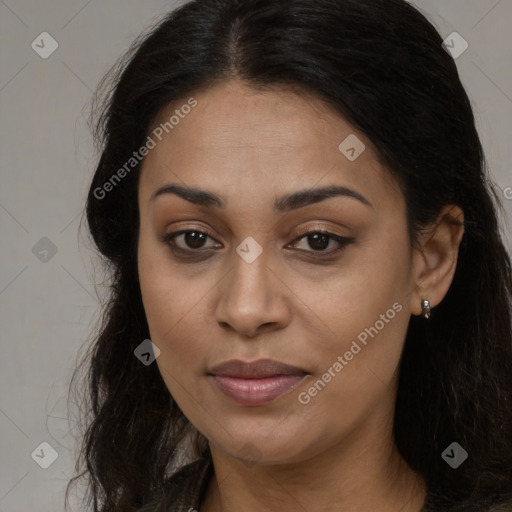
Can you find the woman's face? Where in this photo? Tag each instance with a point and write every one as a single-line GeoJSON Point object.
{"type": "Point", "coordinates": [248, 283]}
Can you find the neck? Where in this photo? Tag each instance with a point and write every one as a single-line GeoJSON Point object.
{"type": "Point", "coordinates": [352, 476]}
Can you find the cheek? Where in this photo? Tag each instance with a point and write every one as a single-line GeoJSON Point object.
{"type": "Point", "coordinates": [166, 305]}
{"type": "Point", "coordinates": [174, 312]}
{"type": "Point", "coordinates": [364, 314]}
{"type": "Point", "coordinates": [369, 280]}
{"type": "Point", "coordinates": [164, 302]}
{"type": "Point", "coordinates": [165, 298]}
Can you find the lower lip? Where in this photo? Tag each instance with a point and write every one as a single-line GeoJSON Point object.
{"type": "Point", "coordinates": [256, 391]}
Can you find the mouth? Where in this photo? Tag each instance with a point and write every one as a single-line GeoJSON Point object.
{"type": "Point", "coordinates": [255, 383]}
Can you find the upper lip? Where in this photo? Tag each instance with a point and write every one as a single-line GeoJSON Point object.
{"type": "Point", "coordinates": [254, 370]}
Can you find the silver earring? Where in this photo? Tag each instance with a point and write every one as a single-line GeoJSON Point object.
{"type": "Point", "coordinates": [425, 307]}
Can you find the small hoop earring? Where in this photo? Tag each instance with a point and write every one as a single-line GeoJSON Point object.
{"type": "Point", "coordinates": [425, 307]}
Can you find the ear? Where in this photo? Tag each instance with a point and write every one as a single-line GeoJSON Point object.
{"type": "Point", "coordinates": [435, 258]}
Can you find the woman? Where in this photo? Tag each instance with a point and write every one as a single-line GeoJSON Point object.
{"type": "Point", "coordinates": [310, 299]}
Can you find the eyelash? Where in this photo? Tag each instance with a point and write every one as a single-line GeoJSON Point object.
{"type": "Point", "coordinates": [343, 241]}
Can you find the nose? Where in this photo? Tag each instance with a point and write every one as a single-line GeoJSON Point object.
{"type": "Point", "coordinates": [252, 299]}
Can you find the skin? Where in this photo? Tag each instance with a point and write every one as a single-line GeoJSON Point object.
{"type": "Point", "coordinates": [290, 304]}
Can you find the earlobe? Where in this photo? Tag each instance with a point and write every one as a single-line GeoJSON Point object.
{"type": "Point", "coordinates": [435, 259]}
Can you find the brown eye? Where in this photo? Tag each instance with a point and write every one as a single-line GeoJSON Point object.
{"type": "Point", "coordinates": [194, 239]}
{"type": "Point", "coordinates": [191, 239]}
{"type": "Point", "coordinates": [319, 241]}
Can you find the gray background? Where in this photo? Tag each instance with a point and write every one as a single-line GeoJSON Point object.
{"type": "Point", "coordinates": [47, 309]}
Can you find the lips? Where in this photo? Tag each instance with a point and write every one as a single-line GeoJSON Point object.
{"type": "Point", "coordinates": [255, 383]}
{"type": "Point", "coordinates": [255, 370]}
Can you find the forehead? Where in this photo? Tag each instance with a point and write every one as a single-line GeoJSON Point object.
{"type": "Point", "coordinates": [234, 112]}
{"type": "Point", "coordinates": [236, 136]}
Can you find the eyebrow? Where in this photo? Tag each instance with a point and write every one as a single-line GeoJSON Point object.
{"type": "Point", "coordinates": [282, 204]}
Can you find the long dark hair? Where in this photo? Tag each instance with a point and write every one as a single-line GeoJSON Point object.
{"type": "Point", "coordinates": [381, 65]}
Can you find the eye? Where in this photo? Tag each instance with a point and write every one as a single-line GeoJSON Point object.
{"type": "Point", "coordinates": [188, 241]}
{"type": "Point", "coordinates": [320, 240]}
{"type": "Point", "coordinates": [193, 239]}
